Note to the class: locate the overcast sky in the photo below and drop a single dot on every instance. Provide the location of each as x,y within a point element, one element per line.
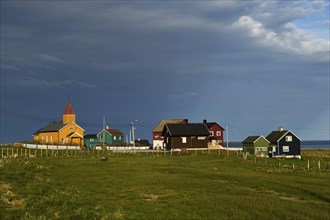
<point>253,65</point>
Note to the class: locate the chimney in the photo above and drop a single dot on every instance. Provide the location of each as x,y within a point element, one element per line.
<point>107,127</point>
<point>204,121</point>
<point>280,128</point>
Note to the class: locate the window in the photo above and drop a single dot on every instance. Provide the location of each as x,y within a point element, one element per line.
<point>119,137</point>
<point>184,140</point>
<point>91,140</point>
<point>211,133</point>
<point>114,138</point>
<point>201,138</point>
<point>285,148</point>
<point>71,129</point>
<point>218,133</point>
<point>288,138</point>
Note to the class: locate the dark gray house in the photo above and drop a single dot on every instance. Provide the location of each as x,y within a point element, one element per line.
<point>182,136</point>
<point>284,143</point>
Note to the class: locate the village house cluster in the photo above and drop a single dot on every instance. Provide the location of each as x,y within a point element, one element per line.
<point>175,134</point>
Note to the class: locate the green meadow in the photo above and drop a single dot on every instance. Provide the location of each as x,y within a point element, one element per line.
<point>151,186</point>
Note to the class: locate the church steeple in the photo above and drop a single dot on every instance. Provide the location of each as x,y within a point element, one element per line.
<point>68,114</point>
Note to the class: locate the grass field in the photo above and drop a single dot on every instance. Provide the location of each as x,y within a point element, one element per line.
<point>139,186</point>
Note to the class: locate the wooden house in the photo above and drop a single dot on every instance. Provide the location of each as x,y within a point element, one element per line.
<point>65,132</point>
<point>216,132</point>
<point>182,136</point>
<point>158,138</point>
<point>256,145</point>
<point>90,140</point>
<point>110,136</point>
<point>284,143</point>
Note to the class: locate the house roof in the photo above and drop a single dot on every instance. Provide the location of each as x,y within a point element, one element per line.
<point>275,136</point>
<point>53,126</point>
<point>160,126</point>
<point>210,124</point>
<point>73,134</point>
<point>90,136</point>
<point>112,131</point>
<point>68,109</point>
<point>192,129</point>
<point>142,142</point>
<point>253,139</point>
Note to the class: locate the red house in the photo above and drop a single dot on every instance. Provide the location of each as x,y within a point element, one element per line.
<point>216,132</point>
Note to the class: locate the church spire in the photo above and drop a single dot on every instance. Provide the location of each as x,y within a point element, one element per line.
<point>68,114</point>
<point>68,109</point>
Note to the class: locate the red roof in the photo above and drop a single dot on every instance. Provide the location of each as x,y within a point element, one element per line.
<point>68,109</point>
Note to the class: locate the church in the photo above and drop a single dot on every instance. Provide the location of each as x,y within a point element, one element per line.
<point>65,132</point>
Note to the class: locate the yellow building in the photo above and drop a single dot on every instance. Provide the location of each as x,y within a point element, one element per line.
<point>65,132</point>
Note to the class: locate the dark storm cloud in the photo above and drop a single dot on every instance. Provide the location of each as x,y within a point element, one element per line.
<point>158,60</point>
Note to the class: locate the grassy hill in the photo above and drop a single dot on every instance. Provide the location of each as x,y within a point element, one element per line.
<point>139,186</point>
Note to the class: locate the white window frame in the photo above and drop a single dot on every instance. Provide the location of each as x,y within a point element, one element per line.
<point>286,149</point>
<point>288,138</point>
<point>219,133</point>
<point>184,140</point>
<point>114,138</point>
<point>212,133</point>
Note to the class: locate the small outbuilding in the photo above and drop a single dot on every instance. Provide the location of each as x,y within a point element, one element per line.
<point>90,140</point>
<point>256,145</point>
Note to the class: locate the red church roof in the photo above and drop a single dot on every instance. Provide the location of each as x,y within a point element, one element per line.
<point>68,109</point>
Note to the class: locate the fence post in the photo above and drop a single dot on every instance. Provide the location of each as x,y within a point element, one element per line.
<point>308,165</point>
<point>279,165</point>
<point>319,164</point>
<point>293,166</point>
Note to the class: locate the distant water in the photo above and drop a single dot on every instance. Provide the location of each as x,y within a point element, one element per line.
<point>315,144</point>
<point>304,144</point>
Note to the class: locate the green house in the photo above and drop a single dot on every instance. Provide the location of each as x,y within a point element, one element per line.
<point>90,140</point>
<point>109,136</point>
<point>256,145</point>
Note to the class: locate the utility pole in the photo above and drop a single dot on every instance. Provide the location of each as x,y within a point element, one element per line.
<point>103,132</point>
<point>132,127</point>
<point>227,135</point>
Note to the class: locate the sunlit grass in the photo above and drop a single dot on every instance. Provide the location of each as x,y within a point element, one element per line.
<point>139,186</point>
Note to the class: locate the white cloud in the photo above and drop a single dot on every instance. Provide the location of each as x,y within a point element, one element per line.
<point>288,37</point>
